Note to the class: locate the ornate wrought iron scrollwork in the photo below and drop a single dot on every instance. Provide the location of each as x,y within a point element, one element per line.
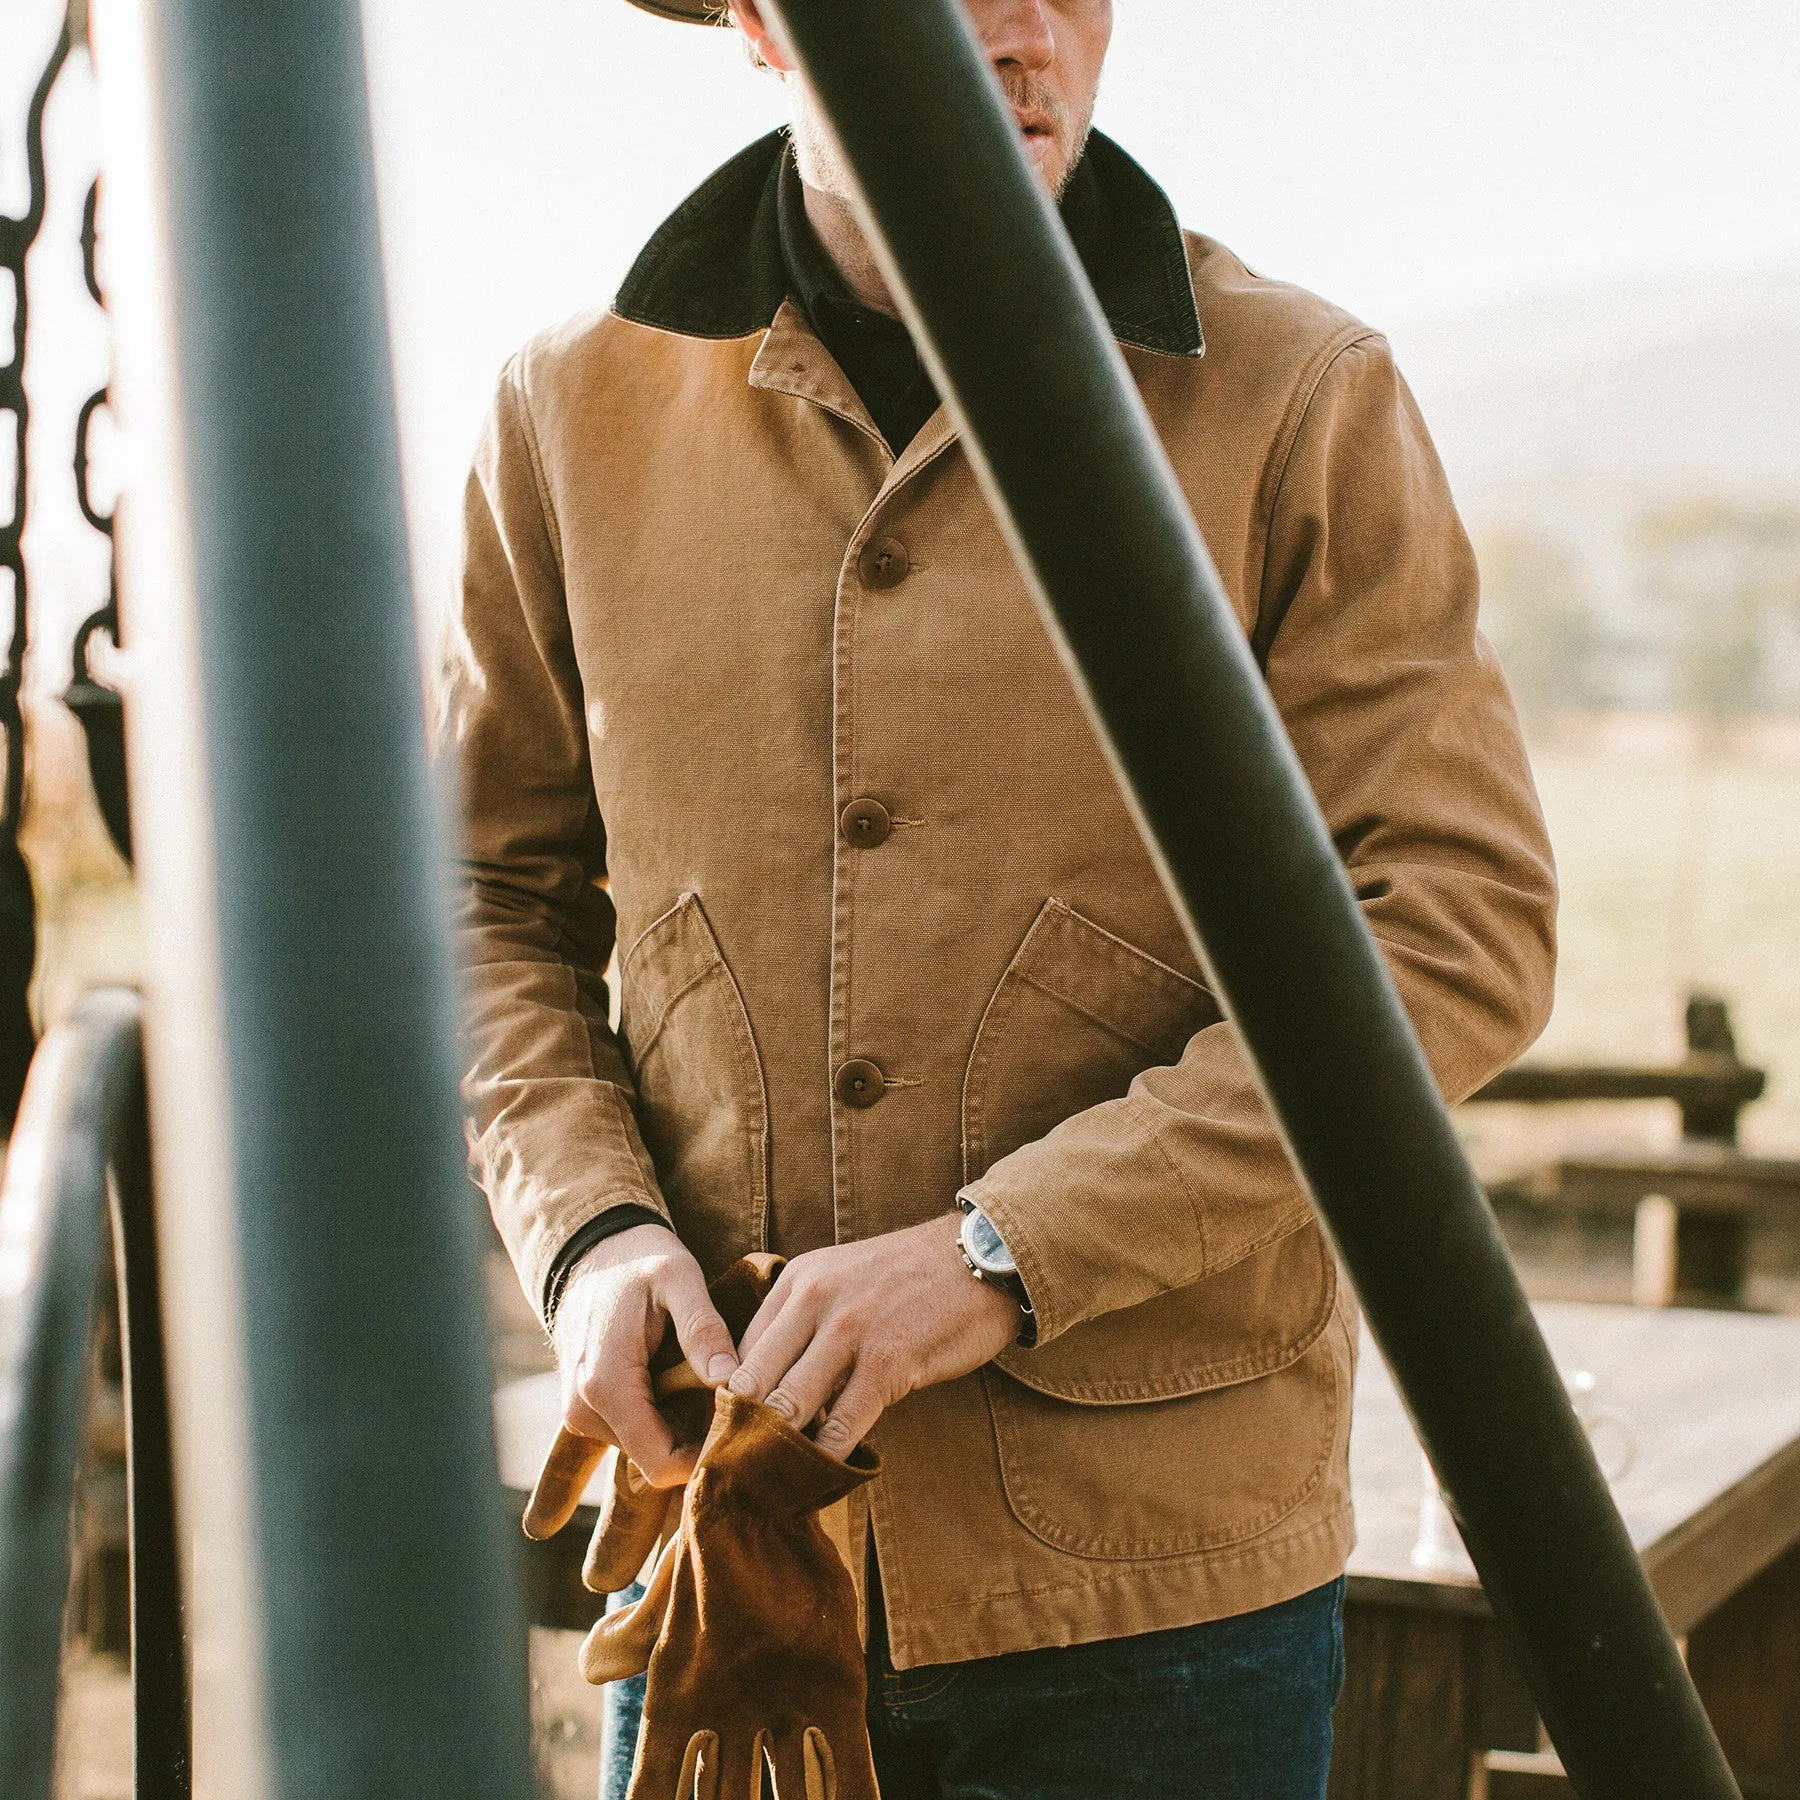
<point>97,707</point>
<point>18,911</point>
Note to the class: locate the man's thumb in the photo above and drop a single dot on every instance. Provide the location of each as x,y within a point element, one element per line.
<point>704,1338</point>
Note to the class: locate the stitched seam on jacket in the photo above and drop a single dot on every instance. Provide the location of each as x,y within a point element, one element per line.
<point>1087,1012</point>
<point>1135,1571</point>
<point>1000,1002</point>
<point>640,1053</point>
<point>534,455</point>
<point>1187,1191</point>
<point>751,1080</point>
<point>1126,952</point>
<point>1306,391</point>
<point>1208,1378</point>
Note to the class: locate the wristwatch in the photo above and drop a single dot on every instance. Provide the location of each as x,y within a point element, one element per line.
<point>987,1258</point>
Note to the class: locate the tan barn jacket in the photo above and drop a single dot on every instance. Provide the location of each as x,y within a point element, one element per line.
<point>791,699</point>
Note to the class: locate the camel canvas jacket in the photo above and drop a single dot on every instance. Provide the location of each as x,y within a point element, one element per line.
<point>767,721</point>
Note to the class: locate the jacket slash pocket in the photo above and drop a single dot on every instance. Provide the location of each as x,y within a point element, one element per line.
<point>701,1101</point>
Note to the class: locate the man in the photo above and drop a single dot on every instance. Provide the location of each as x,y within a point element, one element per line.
<point>749,687</point>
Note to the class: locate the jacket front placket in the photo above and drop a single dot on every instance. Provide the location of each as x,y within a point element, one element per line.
<point>865,1076</point>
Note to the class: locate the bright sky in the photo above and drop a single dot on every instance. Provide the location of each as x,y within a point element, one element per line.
<point>1408,158</point>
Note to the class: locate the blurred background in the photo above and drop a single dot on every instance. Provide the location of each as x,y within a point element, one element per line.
<point>1580,226</point>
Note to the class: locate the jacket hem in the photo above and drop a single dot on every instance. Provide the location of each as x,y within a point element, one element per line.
<point>1160,1595</point>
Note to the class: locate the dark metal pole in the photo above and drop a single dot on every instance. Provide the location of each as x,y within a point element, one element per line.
<point>86,1084</point>
<point>1075,472</point>
<point>393,1659</point>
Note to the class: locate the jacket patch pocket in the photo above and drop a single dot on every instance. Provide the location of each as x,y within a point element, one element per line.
<point>1172,1477</point>
<point>701,1103</point>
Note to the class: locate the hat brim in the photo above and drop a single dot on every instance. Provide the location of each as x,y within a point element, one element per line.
<point>688,12</point>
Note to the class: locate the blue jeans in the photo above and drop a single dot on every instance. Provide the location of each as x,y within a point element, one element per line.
<point>1237,1709</point>
<point>622,1712</point>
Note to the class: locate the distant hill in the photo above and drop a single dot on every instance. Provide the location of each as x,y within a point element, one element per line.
<point>1602,398</point>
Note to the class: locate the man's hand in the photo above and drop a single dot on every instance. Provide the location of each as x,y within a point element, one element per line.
<point>849,1330</point>
<point>617,1303</point>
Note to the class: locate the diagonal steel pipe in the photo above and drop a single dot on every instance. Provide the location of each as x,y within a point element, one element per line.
<point>996,297</point>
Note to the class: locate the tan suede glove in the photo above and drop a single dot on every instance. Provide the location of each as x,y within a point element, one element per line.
<point>756,1655</point>
<point>747,1627</point>
<point>634,1517</point>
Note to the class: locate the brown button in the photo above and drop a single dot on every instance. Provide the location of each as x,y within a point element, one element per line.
<point>860,1083</point>
<point>884,564</point>
<point>866,823</point>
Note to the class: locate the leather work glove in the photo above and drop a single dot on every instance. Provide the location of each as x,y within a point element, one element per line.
<point>635,1515</point>
<point>748,1625</point>
<point>757,1666</point>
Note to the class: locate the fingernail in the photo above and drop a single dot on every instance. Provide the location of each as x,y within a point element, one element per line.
<point>720,1369</point>
<point>743,1384</point>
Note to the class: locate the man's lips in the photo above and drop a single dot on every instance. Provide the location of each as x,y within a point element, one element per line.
<point>1037,132</point>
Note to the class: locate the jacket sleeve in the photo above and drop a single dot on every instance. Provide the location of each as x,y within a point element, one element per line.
<point>547,1096</point>
<point>1403,724</point>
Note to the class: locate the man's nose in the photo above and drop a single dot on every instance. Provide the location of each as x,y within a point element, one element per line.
<point>1015,32</point>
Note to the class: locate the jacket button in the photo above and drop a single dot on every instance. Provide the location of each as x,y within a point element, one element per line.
<point>884,564</point>
<point>866,823</point>
<point>859,1084</point>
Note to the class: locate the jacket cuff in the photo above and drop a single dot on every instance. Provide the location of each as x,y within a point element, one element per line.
<point>596,1231</point>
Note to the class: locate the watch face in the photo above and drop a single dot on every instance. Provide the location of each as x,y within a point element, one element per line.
<point>987,1248</point>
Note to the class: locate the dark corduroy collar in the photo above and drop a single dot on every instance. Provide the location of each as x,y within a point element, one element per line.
<point>715,269</point>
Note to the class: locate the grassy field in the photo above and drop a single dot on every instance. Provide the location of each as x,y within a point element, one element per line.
<point>1679,872</point>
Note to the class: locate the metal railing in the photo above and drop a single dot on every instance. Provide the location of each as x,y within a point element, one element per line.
<point>78,1166</point>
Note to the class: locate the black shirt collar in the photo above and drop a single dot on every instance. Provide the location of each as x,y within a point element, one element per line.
<point>813,278</point>
<point>874,349</point>
<point>716,267</point>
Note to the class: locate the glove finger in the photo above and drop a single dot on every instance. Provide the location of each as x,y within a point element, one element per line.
<point>633,1516</point>
<point>848,1773</point>
<point>821,1772</point>
<point>566,1472</point>
<point>620,1643</point>
<point>700,1768</point>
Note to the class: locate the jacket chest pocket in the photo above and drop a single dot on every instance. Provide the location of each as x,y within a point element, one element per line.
<point>1201,1417</point>
<point>701,1103</point>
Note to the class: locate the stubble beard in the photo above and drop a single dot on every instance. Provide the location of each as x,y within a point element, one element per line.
<point>822,165</point>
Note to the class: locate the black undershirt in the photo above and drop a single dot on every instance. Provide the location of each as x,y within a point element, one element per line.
<point>874,349</point>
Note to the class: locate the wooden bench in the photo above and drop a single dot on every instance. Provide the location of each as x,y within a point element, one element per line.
<point>1694,1208</point>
